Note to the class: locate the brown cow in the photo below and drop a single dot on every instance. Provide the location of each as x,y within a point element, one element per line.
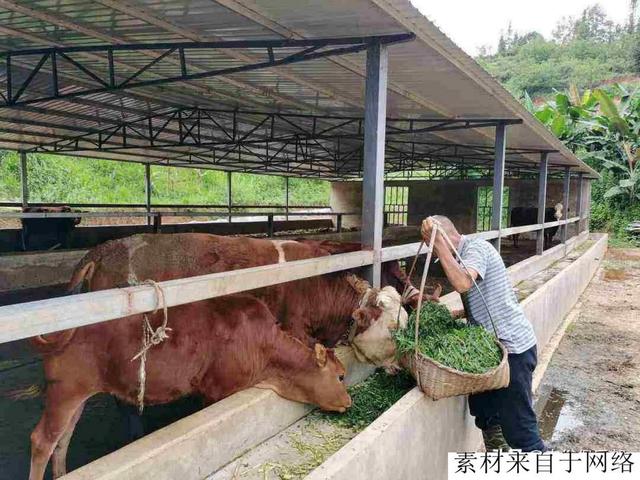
<point>313,309</point>
<point>216,347</point>
<point>392,274</point>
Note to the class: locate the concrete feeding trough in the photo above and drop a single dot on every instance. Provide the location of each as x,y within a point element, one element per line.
<point>237,437</point>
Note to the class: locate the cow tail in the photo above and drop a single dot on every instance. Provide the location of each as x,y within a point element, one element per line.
<point>55,342</point>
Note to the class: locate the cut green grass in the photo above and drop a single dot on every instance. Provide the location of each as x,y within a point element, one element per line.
<point>315,442</point>
<point>371,398</point>
<point>452,343</point>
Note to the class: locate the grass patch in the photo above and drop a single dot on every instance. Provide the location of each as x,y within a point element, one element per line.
<point>624,241</point>
<point>615,274</point>
<point>450,342</point>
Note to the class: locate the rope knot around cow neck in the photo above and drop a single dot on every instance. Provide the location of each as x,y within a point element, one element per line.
<point>151,337</point>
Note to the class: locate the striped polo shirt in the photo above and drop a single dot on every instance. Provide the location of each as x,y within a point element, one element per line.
<point>514,330</point>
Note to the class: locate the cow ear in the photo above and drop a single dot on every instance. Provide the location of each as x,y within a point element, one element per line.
<point>363,321</point>
<point>321,355</point>
<point>435,296</point>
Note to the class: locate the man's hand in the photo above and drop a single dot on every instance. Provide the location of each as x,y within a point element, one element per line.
<point>427,230</point>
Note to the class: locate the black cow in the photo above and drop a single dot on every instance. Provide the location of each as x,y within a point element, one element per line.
<point>521,216</point>
<point>56,230</point>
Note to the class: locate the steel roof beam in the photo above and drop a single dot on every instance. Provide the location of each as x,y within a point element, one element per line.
<point>195,127</point>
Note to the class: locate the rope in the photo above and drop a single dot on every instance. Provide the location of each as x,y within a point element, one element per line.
<point>408,290</point>
<point>150,337</point>
<point>423,281</point>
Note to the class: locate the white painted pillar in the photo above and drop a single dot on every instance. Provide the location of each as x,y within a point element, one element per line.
<point>542,200</point>
<point>286,198</point>
<point>147,190</point>
<point>498,180</point>
<point>579,203</point>
<point>374,145</point>
<point>24,178</point>
<point>229,197</point>
<point>565,201</point>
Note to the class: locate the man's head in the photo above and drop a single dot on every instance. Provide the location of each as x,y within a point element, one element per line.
<point>445,224</point>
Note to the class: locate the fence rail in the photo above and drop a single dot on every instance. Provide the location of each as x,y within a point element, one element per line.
<point>25,320</point>
<point>163,214</point>
<point>155,205</point>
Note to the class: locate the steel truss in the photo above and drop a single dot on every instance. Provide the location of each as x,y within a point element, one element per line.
<point>43,70</point>
<point>319,145</point>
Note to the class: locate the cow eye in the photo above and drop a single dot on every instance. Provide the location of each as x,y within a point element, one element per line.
<point>341,378</point>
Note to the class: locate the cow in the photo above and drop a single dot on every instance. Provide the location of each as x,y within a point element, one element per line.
<point>521,216</point>
<point>216,347</point>
<point>58,229</point>
<point>392,274</point>
<point>322,309</point>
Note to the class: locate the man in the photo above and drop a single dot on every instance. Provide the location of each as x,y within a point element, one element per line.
<point>508,411</point>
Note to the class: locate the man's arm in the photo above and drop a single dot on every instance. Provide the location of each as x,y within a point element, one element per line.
<point>460,280</point>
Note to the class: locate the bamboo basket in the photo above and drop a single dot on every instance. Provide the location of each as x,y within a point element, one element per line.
<point>435,379</point>
<point>439,381</point>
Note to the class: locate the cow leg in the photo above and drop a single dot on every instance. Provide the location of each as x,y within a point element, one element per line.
<point>25,239</point>
<point>61,405</point>
<point>59,458</point>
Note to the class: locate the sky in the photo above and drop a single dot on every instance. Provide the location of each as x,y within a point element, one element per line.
<point>476,23</point>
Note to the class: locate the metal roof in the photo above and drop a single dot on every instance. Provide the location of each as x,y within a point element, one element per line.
<point>231,120</point>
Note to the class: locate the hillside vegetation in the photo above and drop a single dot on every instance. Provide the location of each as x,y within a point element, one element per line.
<point>569,84</point>
<point>76,180</point>
<point>585,51</point>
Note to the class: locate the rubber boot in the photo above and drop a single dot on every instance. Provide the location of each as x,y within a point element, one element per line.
<point>494,440</point>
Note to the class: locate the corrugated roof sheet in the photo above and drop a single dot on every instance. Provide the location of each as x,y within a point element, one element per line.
<point>428,77</point>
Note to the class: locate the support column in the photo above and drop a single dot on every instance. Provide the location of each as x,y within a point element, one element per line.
<point>229,198</point>
<point>147,190</point>
<point>286,198</point>
<point>373,165</point>
<point>565,202</point>
<point>542,200</point>
<point>498,181</point>
<point>24,179</point>
<point>579,204</point>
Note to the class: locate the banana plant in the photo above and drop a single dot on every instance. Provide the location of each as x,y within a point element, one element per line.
<point>629,184</point>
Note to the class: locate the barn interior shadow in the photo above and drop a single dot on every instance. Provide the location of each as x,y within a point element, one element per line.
<point>102,429</point>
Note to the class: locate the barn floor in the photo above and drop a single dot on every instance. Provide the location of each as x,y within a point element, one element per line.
<point>589,398</point>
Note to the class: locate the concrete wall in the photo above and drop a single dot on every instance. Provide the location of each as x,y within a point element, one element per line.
<point>456,199</point>
<point>347,197</point>
<point>32,270</point>
<point>411,440</point>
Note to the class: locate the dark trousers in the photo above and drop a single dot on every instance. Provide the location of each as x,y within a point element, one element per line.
<point>512,407</point>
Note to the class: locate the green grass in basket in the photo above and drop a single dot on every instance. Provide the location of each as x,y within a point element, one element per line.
<point>453,343</point>
<point>371,398</point>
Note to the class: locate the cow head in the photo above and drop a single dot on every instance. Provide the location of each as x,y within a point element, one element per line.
<point>320,382</point>
<point>380,313</point>
<point>394,276</point>
<point>558,211</point>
